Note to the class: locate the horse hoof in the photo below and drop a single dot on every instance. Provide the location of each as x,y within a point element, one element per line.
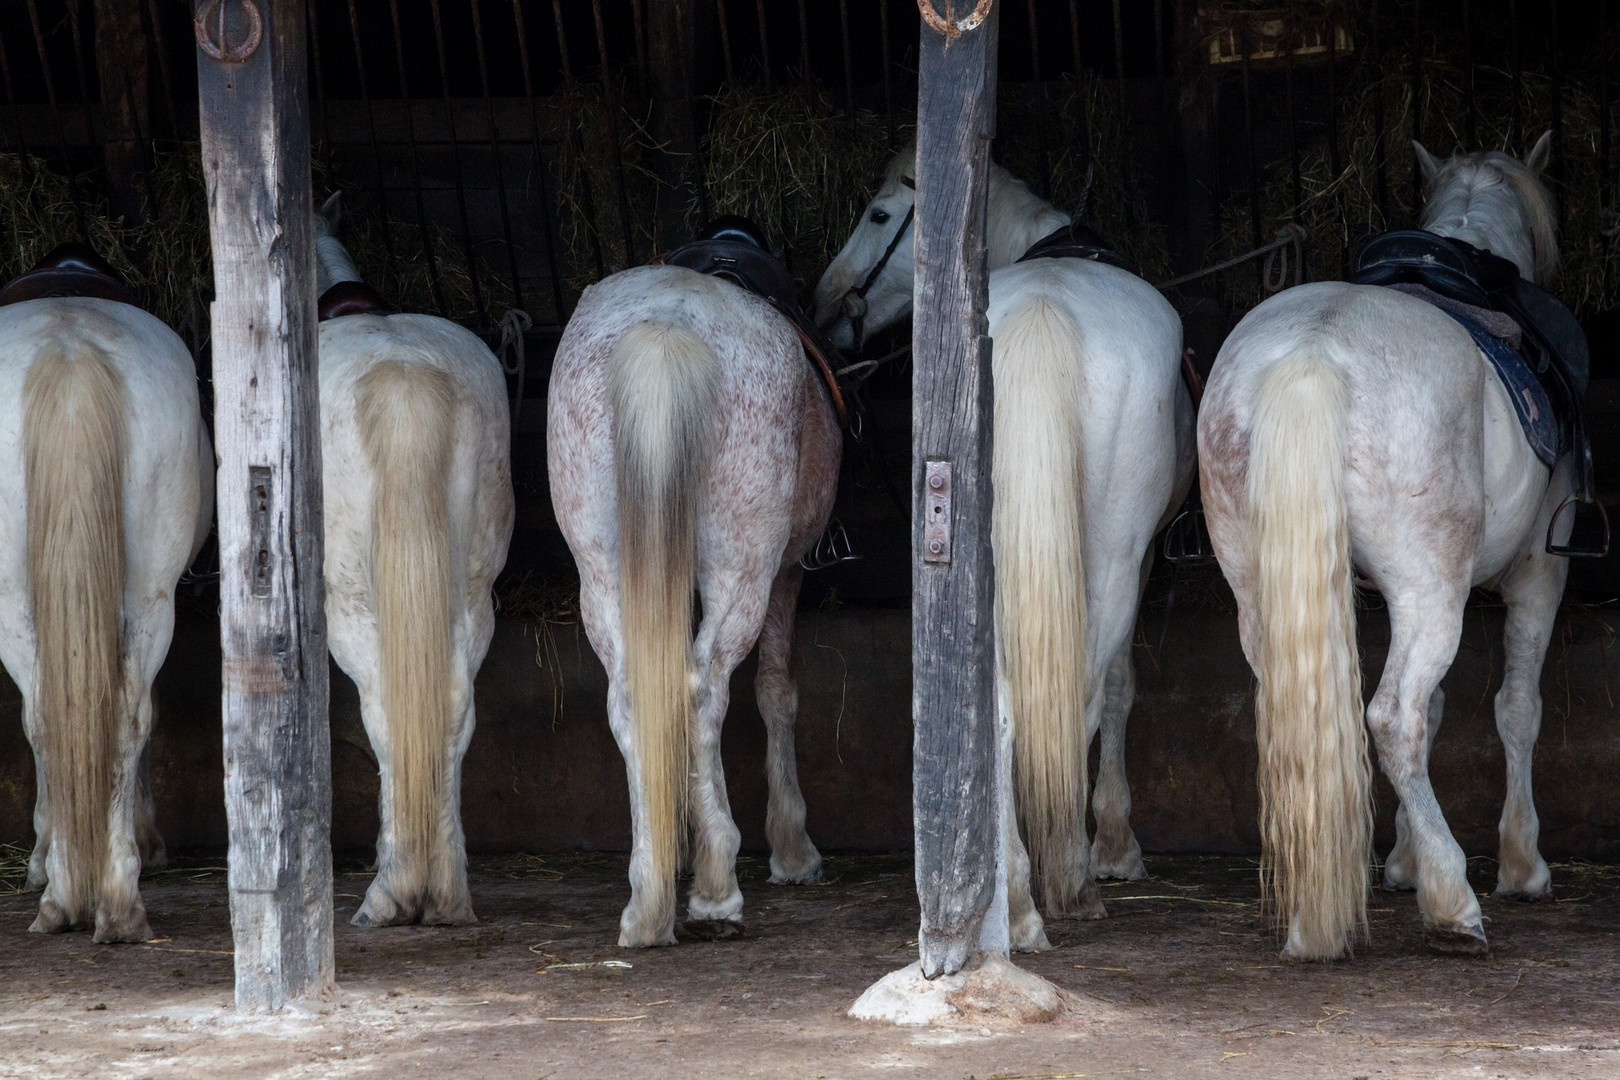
<point>1456,940</point>
<point>460,915</point>
<point>1123,870</point>
<point>809,876</point>
<point>122,931</point>
<point>1528,896</point>
<point>712,929</point>
<point>50,920</point>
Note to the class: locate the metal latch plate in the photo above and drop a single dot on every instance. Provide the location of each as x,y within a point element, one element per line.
<point>936,512</point>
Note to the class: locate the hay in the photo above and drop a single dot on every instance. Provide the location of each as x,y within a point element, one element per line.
<point>795,164</point>
<point>1339,211</point>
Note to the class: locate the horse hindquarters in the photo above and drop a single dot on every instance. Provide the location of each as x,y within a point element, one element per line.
<point>663,383</point>
<point>74,443</point>
<point>1037,533</point>
<point>407,423</point>
<point>1316,815</point>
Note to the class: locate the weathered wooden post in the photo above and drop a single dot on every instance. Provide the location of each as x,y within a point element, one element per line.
<point>959,775</point>
<point>253,87</point>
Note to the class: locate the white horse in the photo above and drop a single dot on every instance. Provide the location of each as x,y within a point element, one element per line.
<point>1093,450</point>
<point>1349,429</point>
<point>418,504</point>
<point>690,445</point>
<point>106,494</point>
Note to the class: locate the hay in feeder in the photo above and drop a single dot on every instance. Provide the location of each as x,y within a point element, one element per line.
<point>1339,211</point>
<point>797,165</point>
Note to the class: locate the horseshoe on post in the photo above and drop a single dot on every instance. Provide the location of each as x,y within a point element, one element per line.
<point>222,49</point>
<point>948,24</point>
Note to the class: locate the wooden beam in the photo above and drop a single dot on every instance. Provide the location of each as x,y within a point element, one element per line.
<point>957,771</point>
<point>278,782</point>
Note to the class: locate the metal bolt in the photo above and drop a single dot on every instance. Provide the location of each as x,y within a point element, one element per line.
<point>936,482</point>
<point>935,546</point>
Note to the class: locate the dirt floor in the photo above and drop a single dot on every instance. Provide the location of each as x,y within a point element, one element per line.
<point>1182,980</point>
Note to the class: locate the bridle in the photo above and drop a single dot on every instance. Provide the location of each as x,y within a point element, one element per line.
<point>854,302</point>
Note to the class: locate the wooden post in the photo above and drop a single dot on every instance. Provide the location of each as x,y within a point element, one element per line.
<point>956,768</point>
<point>253,89</point>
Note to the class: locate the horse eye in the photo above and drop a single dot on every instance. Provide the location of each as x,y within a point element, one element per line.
<point>879,216</point>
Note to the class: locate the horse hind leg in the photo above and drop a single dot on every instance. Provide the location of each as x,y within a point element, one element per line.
<point>448,900</point>
<point>794,859</point>
<point>1532,592</point>
<point>1117,854</point>
<point>1424,635</point>
<point>738,605</point>
<point>1400,869</point>
<point>148,840</point>
<point>1026,930</point>
<point>120,915</point>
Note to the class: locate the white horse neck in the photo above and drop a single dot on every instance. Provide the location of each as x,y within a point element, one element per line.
<point>332,263</point>
<point>1018,217</point>
<point>1493,202</point>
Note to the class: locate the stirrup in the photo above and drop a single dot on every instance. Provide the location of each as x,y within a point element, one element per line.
<point>1186,540</point>
<point>1587,536</point>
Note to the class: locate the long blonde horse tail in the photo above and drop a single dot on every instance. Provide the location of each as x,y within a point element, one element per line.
<point>1315,777</point>
<point>74,441</point>
<point>1037,529</point>
<point>406,413</point>
<point>663,386</point>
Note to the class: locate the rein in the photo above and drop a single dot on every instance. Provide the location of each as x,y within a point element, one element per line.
<point>855,299</point>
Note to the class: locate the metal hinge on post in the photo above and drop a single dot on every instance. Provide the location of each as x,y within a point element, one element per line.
<point>936,512</point>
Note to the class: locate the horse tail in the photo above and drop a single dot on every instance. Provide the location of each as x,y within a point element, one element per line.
<point>73,445</point>
<point>663,386</point>
<point>1315,777</point>
<point>406,414</point>
<point>1037,529</point>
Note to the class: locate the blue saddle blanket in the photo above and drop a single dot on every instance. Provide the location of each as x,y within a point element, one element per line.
<point>1530,400</point>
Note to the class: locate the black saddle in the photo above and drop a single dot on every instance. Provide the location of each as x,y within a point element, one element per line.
<point>1076,241</point>
<point>1460,271</point>
<point>351,298</point>
<point>734,249</point>
<point>1551,341</point>
<point>71,269</point>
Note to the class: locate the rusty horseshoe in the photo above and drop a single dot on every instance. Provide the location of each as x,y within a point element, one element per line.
<point>948,25</point>
<point>213,11</point>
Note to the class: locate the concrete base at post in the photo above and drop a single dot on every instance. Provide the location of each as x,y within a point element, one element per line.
<point>991,992</point>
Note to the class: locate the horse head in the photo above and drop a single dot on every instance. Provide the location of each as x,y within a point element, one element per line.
<point>871,277</point>
<point>1494,201</point>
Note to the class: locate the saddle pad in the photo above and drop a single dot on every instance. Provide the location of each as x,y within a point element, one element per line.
<point>1530,400</point>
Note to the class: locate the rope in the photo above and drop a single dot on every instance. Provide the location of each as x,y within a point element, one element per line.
<point>514,325</point>
<point>1276,265</point>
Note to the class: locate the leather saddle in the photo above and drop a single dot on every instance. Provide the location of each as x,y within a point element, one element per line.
<point>71,269</point>
<point>351,298</point>
<point>733,249</point>
<point>1077,241</point>
<point>1551,342</point>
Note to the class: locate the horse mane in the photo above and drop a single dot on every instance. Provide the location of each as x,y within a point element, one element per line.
<point>1018,217</point>
<point>1480,190</point>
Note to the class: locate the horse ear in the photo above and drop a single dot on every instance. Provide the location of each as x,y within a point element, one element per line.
<point>332,208</point>
<point>1541,154</point>
<point>1426,162</point>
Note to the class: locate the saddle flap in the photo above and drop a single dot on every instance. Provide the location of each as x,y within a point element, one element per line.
<point>70,269</point>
